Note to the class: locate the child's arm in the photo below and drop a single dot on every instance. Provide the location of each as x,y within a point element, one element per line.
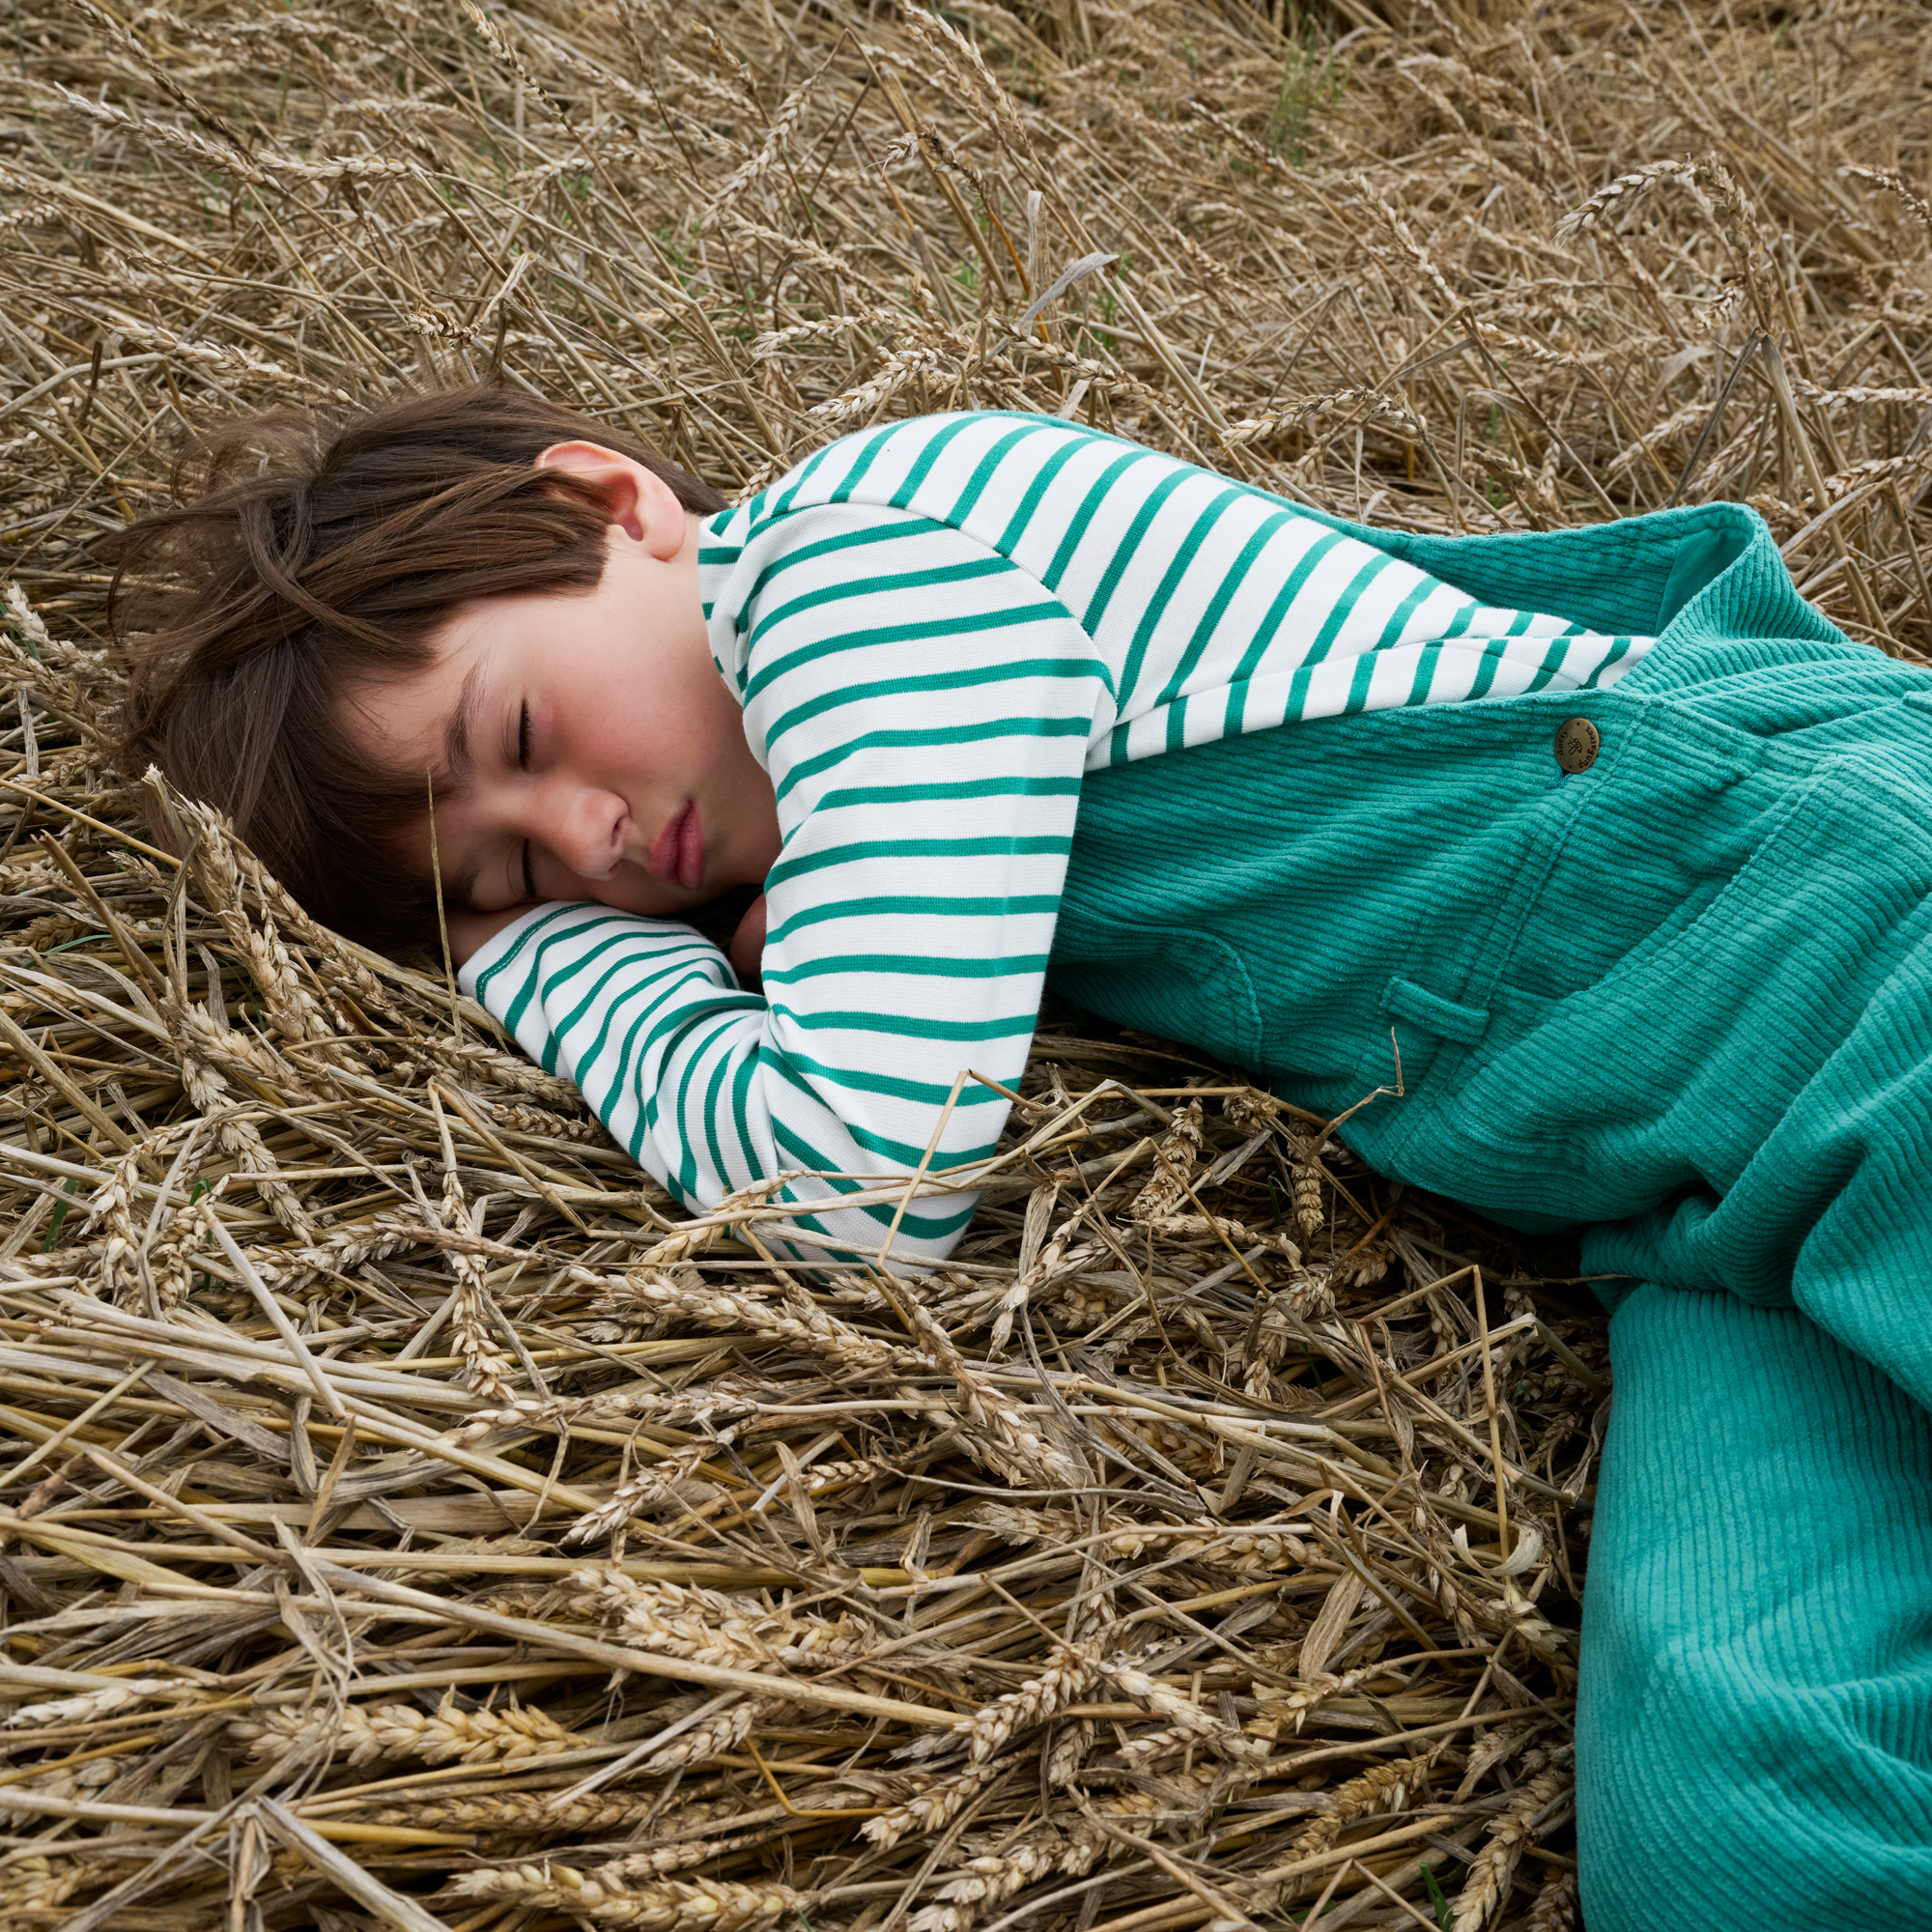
<point>924,710</point>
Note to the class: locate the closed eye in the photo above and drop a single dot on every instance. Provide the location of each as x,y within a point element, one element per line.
<point>523,744</point>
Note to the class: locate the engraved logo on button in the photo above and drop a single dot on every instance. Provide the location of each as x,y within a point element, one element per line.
<point>1577,745</point>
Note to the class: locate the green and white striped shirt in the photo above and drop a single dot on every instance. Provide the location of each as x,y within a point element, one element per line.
<point>935,629</point>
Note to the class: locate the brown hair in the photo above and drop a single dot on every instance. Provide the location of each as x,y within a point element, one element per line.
<point>315,555</point>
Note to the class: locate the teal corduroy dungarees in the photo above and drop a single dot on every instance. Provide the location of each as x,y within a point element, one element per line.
<point>1682,999</point>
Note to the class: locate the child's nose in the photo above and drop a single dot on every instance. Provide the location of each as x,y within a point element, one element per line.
<point>585,831</point>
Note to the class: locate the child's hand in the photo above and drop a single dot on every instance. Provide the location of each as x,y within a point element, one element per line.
<point>471,932</point>
<point>748,944</point>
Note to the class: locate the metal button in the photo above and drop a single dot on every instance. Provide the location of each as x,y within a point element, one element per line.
<point>1577,745</point>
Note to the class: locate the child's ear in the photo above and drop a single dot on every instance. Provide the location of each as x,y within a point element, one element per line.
<point>641,503</point>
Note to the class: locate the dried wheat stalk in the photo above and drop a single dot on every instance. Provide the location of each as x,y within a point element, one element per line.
<point>1245,1596</point>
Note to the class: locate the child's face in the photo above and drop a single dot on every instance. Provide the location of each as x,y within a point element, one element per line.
<point>584,745</point>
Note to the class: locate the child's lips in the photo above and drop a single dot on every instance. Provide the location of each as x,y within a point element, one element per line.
<point>679,853</point>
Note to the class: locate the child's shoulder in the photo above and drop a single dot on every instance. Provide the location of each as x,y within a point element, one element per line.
<point>934,465</point>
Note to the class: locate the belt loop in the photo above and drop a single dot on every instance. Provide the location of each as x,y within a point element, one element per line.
<point>1404,999</point>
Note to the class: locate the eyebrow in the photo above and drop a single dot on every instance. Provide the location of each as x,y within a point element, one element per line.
<point>458,760</point>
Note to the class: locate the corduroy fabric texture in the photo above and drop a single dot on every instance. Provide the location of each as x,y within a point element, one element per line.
<point>1753,1727</point>
<point>1684,999</point>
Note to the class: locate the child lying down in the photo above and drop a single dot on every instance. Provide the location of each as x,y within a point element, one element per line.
<point>1618,844</point>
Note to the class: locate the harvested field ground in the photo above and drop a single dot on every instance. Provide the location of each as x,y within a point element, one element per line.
<point>404,1519</point>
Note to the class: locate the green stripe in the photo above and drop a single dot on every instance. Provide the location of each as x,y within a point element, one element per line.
<point>1486,672</point>
<point>968,499</point>
<point>1297,692</point>
<point>1551,664</point>
<point>870,533</point>
<point>914,1226</point>
<point>1217,606</point>
<point>909,966</point>
<point>1076,526</point>
<point>1399,617</point>
<point>1086,430</point>
<point>857,850</point>
<point>861,460</point>
<point>1358,685</point>
<point>528,942</point>
<point>675,1002</point>
<point>1427,664</point>
<point>657,992</point>
<point>1620,648</point>
<point>865,1081</point>
<point>662,1008</point>
<point>1184,554</point>
<point>634,1046</point>
<point>577,968</point>
<point>868,584</point>
<point>920,906</point>
<point>973,677</point>
<point>905,1026</point>
<point>909,1154</point>
<point>538,987</point>
<point>867,457</point>
<point>1339,612</point>
<point>1021,520</point>
<point>1124,549</point>
<point>1270,625</point>
<point>701,1043</point>
<point>986,623</point>
<point>928,794</point>
<point>801,477</point>
<point>957,734</point>
<point>922,465</point>
<point>749,1065</point>
<point>719,1165</point>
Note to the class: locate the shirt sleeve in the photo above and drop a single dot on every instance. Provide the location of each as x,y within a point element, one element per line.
<point>925,709</point>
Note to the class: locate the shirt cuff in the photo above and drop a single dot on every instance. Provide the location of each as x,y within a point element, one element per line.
<point>495,949</point>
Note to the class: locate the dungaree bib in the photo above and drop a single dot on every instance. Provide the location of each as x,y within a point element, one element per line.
<point>1682,997</point>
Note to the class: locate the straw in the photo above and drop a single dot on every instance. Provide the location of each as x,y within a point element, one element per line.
<point>408,1515</point>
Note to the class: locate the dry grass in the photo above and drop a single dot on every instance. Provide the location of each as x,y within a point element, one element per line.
<point>1201,1547</point>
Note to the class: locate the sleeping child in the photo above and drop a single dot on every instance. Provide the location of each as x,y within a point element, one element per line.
<point>1602,850</point>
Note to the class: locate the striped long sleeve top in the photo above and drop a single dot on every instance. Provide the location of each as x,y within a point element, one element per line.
<point>935,628</point>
